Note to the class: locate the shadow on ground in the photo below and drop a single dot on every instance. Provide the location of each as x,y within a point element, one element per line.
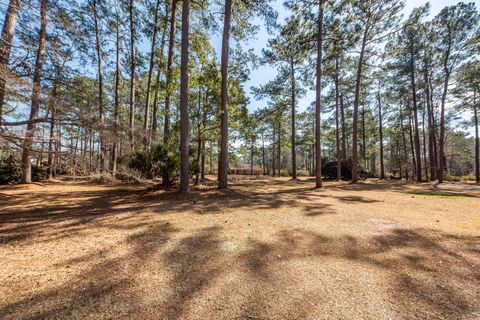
<point>427,274</point>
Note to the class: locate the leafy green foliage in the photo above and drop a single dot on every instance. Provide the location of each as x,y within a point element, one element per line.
<point>11,172</point>
<point>152,162</point>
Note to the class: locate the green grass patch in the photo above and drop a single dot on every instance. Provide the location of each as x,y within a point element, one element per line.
<point>441,195</point>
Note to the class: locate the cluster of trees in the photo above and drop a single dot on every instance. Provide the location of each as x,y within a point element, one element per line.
<point>395,92</point>
<point>100,81</point>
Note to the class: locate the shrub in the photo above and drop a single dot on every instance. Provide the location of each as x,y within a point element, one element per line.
<point>329,170</point>
<point>11,171</point>
<point>152,162</point>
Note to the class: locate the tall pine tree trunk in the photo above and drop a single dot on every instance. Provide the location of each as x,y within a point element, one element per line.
<point>294,132</point>
<point>356,103</point>
<point>337,123</point>
<point>273,151</point>
<point>169,89</point>
<point>223,158</point>
<point>184,157</point>
<point>146,117</point>
<point>153,137</point>
<point>36,92</point>
<point>380,131</point>
<point>6,41</point>
<point>344,129</point>
<point>418,160</point>
<point>318,102</point>
<point>101,115</point>
<point>116,110</point>
<point>51,140</point>
<point>132,78</point>
<point>477,140</point>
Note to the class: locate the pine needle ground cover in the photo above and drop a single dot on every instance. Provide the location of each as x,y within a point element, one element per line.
<point>265,249</point>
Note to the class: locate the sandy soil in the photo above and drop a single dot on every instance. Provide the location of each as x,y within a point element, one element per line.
<point>266,249</point>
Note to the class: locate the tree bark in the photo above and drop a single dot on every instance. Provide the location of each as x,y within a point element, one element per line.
<point>344,134</point>
<point>273,151</point>
<point>132,78</point>
<point>146,117</point>
<point>184,157</point>
<point>199,136</point>
<point>356,103</point>
<point>412,145</point>
<point>116,109</point>
<point>6,41</point>
<point>441,154</point>
<point>263,154</point>
<point>380,131</point>
<point>418,160</point>
<point>318,102</point>
<point>337,123</point>
<point>223,159</point>
<point>35,106</point>
<point>51,140</point>
<point>168,96</point>
<point>153,137</point>
<point>279,155</point>
<point>477,140</point>
<point>294,132</point>
<point>101,116</point>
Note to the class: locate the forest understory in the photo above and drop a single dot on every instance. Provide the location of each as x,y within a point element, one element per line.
<point>267,248</point>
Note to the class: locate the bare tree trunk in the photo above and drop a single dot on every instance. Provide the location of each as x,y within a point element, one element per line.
<point>337,123</point>
<point>100,88</point>
<point>318,102</point>
<point>344,134</point>
<point>356,103</point>
<point>441,155</point>
<point>6,41</point>
<point>158,82</point>
<point>431,128</point>
<point>412,146</point>
<point>150,74</point>
<point>116,110</point>
<point>279,155</point>
<point>223,158</point>
<point>477,140</point>
<point>199,135</point>
<point>294,133</point>
<point>263,154</point>
<point>251,158</point>
<point>273,152</point>
<point>51,140</point>
<point>405,155</point>
<point>168,96</point>
<point>204,122</point>
<point>184,158</point>
<point>418,160</point>
<point>364,139</point>
<point>35,107</point>
<point>380,131</point>
<point>424,138</point>
<point>132,77</point>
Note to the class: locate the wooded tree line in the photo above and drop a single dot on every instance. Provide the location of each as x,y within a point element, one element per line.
<point>96,85</point>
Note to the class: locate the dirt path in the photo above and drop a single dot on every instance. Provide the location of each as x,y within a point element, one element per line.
<point>267,249</point>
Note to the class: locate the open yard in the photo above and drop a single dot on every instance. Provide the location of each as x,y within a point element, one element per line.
<point>266,249</point>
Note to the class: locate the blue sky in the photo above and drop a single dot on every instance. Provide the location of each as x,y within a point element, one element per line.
<point>266,73</point>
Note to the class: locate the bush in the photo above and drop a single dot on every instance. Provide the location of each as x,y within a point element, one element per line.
<point>11,172</point>
<point>329,170</point>
<point>151,163</point>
